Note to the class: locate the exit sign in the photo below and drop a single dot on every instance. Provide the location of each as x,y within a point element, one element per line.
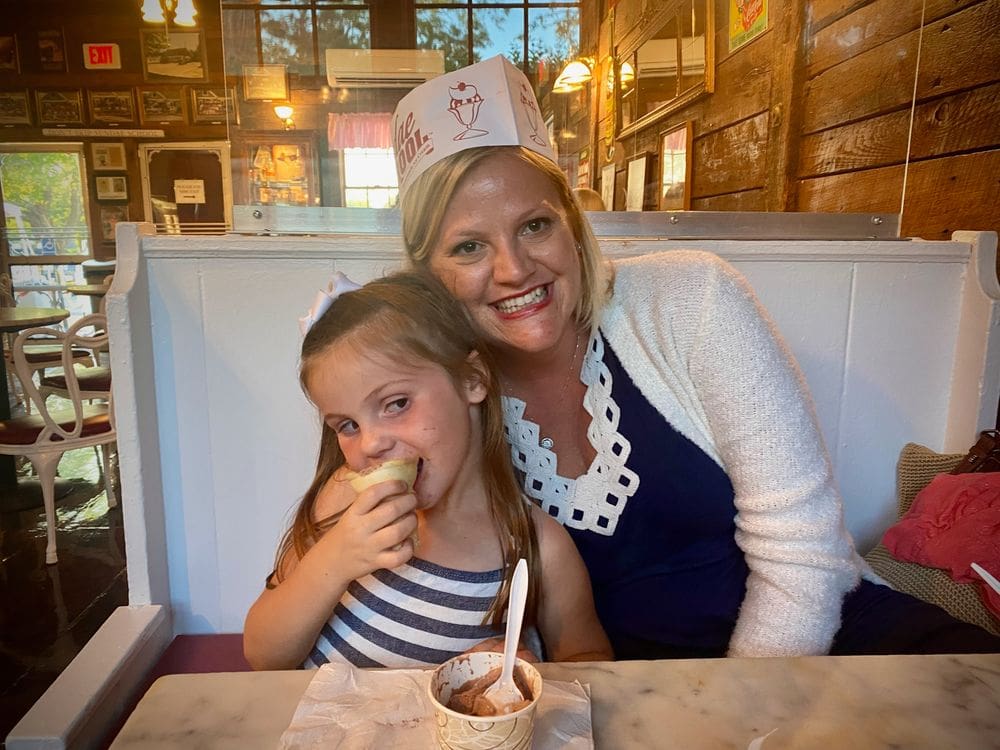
<point>101,57</point>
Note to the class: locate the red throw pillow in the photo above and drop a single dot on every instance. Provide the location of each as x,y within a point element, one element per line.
<point>953,522</point>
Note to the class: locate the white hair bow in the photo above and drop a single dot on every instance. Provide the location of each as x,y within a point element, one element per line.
<point>338,285</point>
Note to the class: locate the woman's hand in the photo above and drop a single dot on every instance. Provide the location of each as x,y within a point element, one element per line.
<point>496,645</point>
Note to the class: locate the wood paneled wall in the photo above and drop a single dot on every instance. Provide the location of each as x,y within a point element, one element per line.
<point>102,21</point>
<point>814,114</point>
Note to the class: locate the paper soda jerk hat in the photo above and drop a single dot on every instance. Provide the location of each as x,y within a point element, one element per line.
<point>487,104</point>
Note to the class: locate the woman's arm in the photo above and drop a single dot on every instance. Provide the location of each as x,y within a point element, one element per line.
<point>284,622</point>
<point>740,387</point>
<point>567,620</point>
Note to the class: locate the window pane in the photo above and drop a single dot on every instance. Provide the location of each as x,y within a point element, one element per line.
<point>692,23</point>
<point>286,37</point>
<point>44,202</point>
<point>239,40</point>
<point>445,30</point>
<point>369,178</point>
<point>498,31</point>
<point>343,29</point>
<point>553,38</point>
<point>44,286</point>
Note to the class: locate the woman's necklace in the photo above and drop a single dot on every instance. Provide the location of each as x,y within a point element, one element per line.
<point>547,442</point>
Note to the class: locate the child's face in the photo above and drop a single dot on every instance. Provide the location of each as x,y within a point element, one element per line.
<point>382,409</point>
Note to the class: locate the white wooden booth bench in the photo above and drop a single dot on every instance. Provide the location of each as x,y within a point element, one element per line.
<point>899,341</point>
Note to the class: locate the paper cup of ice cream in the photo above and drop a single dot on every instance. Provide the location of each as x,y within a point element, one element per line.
<point>454,687</point>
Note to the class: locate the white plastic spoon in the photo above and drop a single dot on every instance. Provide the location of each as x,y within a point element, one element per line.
<point>504,694</point>
<point>992,582</point>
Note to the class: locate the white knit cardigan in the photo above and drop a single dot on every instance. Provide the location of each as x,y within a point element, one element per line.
<point>690,332</point>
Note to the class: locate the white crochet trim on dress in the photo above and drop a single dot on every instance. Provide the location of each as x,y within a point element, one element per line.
<point>595,500</point>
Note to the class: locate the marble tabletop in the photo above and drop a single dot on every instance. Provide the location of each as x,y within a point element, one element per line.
<point>854,702</point>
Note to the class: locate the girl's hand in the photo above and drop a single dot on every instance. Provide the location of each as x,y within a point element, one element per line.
<point>496,645</point>
<point>374,530</point>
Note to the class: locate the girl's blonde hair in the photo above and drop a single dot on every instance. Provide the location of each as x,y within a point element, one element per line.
<point>411,316</point>
<point>424,203</point>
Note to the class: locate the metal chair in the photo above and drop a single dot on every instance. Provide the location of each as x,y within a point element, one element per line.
<point>44,437</point>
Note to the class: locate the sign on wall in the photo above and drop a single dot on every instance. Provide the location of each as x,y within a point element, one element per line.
<point>101,56</point>
<point>747,21</point>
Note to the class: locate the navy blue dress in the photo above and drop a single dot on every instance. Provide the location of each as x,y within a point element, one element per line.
<point>670,580</point>
<point>668,583</point>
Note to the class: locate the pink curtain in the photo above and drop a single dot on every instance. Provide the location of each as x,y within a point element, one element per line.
<point>361,130</point>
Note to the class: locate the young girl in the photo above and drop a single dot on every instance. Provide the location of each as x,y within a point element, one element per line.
<point>396,371</point>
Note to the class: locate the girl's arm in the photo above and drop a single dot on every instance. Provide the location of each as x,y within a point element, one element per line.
<point>284,622</point>
<point>567,620</point>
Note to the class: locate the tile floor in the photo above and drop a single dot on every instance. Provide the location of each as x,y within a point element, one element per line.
<point>47,612</point>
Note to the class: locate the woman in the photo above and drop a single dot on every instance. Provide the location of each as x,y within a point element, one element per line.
<point>653,410</point>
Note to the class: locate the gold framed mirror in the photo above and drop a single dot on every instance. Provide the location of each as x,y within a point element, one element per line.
<point>666,63</point>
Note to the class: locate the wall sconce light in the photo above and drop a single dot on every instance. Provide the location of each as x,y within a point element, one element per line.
<point>574,75</point>
<point>284,113</point>
<point>626,76</point>
<point>176,12</point>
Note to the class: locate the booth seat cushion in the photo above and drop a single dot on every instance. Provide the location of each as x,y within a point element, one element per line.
<point>917,466</point>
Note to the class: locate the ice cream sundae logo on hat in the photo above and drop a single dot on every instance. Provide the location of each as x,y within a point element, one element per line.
<point>410,142</point>
<point>464,105</point>
<point>534,116</point>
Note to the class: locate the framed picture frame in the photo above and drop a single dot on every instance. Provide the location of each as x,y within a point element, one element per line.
<point>675,168</point>
<point>59,106</point>
<point>174,56</point>
<point>635,185</point>
<point>212,104</point>
<point>51,51</point>
<point>111,188</point>
<point>9,61</point>
<point>265,82</point>
<point>162,106</point>
<point>107,157</point>
<point>14,108</point>
<point>111,215</point>
<point>111,107</point>
<point>608,186</point>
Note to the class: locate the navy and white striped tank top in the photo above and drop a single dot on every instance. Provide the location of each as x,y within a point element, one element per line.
<point>419,614</point>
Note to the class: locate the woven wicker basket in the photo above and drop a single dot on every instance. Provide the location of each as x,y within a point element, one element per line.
<point>916,468</point>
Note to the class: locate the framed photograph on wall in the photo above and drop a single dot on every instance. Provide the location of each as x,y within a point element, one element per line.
<point>173,55</point>
<point>51,51</point>
<point>9,62</point>
<point>111,188</point>
<point>107,157</point>
<point>265,82</point>
<point>63,107</point>
<point>162,106</point>
<point>112,107</point>
<point>212,104</point>
<point>608,186</point>
<point>111,215</point>
<point>675,168</point>
<point>14,108</point>
<point>635,183</point>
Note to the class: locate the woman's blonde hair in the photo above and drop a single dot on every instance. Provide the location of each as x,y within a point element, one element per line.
<point>411,316</point>
<point>424,203</point>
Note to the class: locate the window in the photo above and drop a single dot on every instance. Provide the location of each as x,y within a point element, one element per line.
<point>537,36</point>
<point>291,32</point>
<point>369,178</point>
<point>47,231</point>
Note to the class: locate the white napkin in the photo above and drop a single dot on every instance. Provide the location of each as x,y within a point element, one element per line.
<point>349,708</point>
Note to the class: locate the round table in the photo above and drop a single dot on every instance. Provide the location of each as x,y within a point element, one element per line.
<point>13,319</point>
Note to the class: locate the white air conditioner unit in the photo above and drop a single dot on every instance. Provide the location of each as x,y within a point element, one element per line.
<point>382,68</point>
